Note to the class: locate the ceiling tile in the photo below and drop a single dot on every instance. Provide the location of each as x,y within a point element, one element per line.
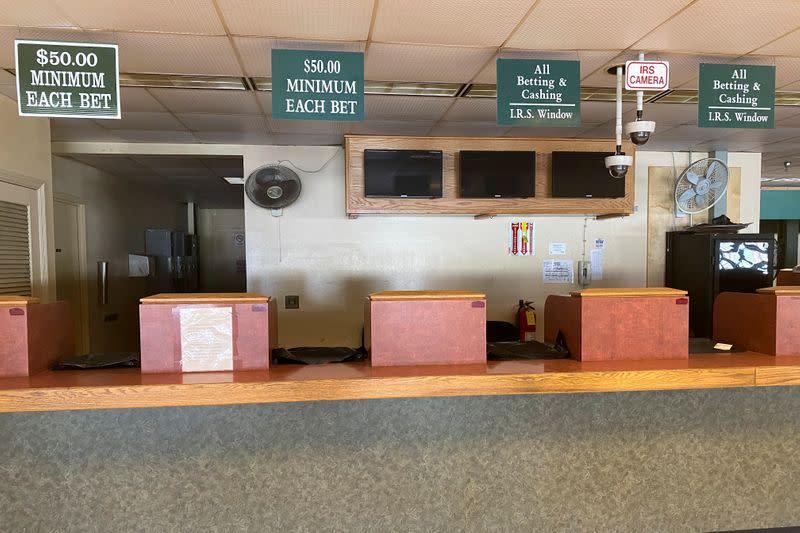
<point>156,136</point>
<point>393,127</point>
<point>207,101</point>
<point>470,129</point>
<point>600,112</point>
<point>225,166</point>
<point>788,45</point>
<point>344,20</point>
<point>170,16</point>
<point>213,122</point>
<point>717,27</point>
<point>590,60</point>
<point>265,100</point>
<point>176,54</point>
<point>684,138</point>
<point>577,24</point>
<point>472,110</point>
<point>34,13</point>
<point>787,116</point>
<point>141,120</point>
<point>408,62</point>
<point>321,127</point>
<point>10,91</point>
<point>256,52</point>
<point>448,21</point>
<point>80,130</point>
<point>395,107</point>
<point>664,115</point>
<point>114,164</point>
<point>752,139</point>
<point>138,99</point>
<point>787,71</point>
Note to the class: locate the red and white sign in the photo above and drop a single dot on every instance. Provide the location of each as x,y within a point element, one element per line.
<point>647,75</point>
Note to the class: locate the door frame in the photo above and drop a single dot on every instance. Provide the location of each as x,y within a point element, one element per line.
<point>81,344</point>
<point>42,284</point>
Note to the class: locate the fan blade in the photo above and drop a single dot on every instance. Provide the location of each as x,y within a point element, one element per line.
<point>700,200</point>
<point>711,169</point>
<point>692,177</point>
<point>687,195</point>
<point>718,184</point>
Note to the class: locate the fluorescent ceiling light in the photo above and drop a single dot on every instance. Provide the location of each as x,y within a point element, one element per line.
<point>234,181</point>
<point>173,81</point>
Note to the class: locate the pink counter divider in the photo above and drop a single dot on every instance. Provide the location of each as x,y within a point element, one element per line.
<point>207,332</point>
<point>425,328</point>
<point>33,336</point>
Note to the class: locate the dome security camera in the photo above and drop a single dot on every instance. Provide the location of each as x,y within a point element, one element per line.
<point>639,131</point>
<point>618,164</point>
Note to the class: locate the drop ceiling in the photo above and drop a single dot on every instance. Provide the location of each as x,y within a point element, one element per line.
<point>452,41</point>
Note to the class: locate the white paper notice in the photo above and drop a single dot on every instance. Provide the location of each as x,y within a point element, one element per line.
<point>206,339</point>
<point>600,243</point>
<point>558,248</point>
<point>521,238</point>
<point>597,264</point>
<point>558,271</point>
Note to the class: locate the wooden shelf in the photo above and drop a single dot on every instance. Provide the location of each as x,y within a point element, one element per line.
<point>450,203</point>
<point>128,388</point>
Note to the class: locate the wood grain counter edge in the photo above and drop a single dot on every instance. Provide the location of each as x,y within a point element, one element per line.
<point>180,395</point>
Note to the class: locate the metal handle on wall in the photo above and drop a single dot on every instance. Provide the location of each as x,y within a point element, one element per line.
<point>102,282</point>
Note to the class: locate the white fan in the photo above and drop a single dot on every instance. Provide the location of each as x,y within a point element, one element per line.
<point>701,185</point>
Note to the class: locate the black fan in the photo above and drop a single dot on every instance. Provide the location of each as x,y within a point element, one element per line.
<point>273,186</point>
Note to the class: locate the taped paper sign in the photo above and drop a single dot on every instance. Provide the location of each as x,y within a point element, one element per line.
<point>558,271</point>
<point>521,238</point>
<point>206,339</point>
<point>597,264</point>
<point>558,248</point>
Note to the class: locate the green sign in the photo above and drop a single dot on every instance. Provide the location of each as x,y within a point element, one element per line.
<point>736,96</point>
<point>308,84</point>
<point>72,80</point>
<point>538,92</point>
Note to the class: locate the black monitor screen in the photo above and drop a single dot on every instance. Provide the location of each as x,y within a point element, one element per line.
<point>403,173</point>
<point>584,175</point>
<point>485,174</point>
<point>744,266</point>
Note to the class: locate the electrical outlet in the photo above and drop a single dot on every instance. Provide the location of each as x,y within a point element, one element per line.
<point>292,302</point>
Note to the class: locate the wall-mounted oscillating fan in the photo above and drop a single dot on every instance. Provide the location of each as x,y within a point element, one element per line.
<point>273,187</point>
<point>701,185</point>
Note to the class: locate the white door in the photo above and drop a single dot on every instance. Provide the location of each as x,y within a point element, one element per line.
<point>71,284</point>
<point>20,252</point>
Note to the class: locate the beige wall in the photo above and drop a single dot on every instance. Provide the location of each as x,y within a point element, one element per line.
<point>25,160</point>
<point>118,212</point>
<point>219,254</point>
<point>332,262</point>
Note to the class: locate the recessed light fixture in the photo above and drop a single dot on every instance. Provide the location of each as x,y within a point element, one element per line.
<point>234,181</point>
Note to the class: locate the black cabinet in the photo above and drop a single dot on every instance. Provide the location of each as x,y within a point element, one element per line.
<point>705,264</point>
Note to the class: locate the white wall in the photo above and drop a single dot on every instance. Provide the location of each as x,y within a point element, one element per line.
<point>218,251</point>
<point>117,213</point>
<point>25,160</point>
<point>332,262</point>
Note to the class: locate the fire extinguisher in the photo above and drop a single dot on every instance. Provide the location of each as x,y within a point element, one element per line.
<point>526,321</point>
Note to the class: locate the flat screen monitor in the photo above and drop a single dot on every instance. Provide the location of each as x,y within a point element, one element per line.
<point>403,173</point>
<point>488,174</point>
<point>744,266</point>
<point>584,175</point>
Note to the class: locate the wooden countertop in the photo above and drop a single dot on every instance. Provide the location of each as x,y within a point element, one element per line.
<point>628,292</point>
<point>395,296</point>
<point>18,300</point>
<point>780,290</point>
<point>128,388</point>
<point>206,297</point>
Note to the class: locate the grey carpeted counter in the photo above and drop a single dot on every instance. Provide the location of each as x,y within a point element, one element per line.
<point>656,461</point>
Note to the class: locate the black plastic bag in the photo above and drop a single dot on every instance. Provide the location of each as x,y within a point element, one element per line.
<point>317,355</point>
<point>99,360</point>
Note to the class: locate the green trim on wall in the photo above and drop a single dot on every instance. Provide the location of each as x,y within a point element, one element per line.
<point>780,204</point>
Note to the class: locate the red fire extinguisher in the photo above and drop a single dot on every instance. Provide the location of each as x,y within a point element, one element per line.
<point>526,321</point>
